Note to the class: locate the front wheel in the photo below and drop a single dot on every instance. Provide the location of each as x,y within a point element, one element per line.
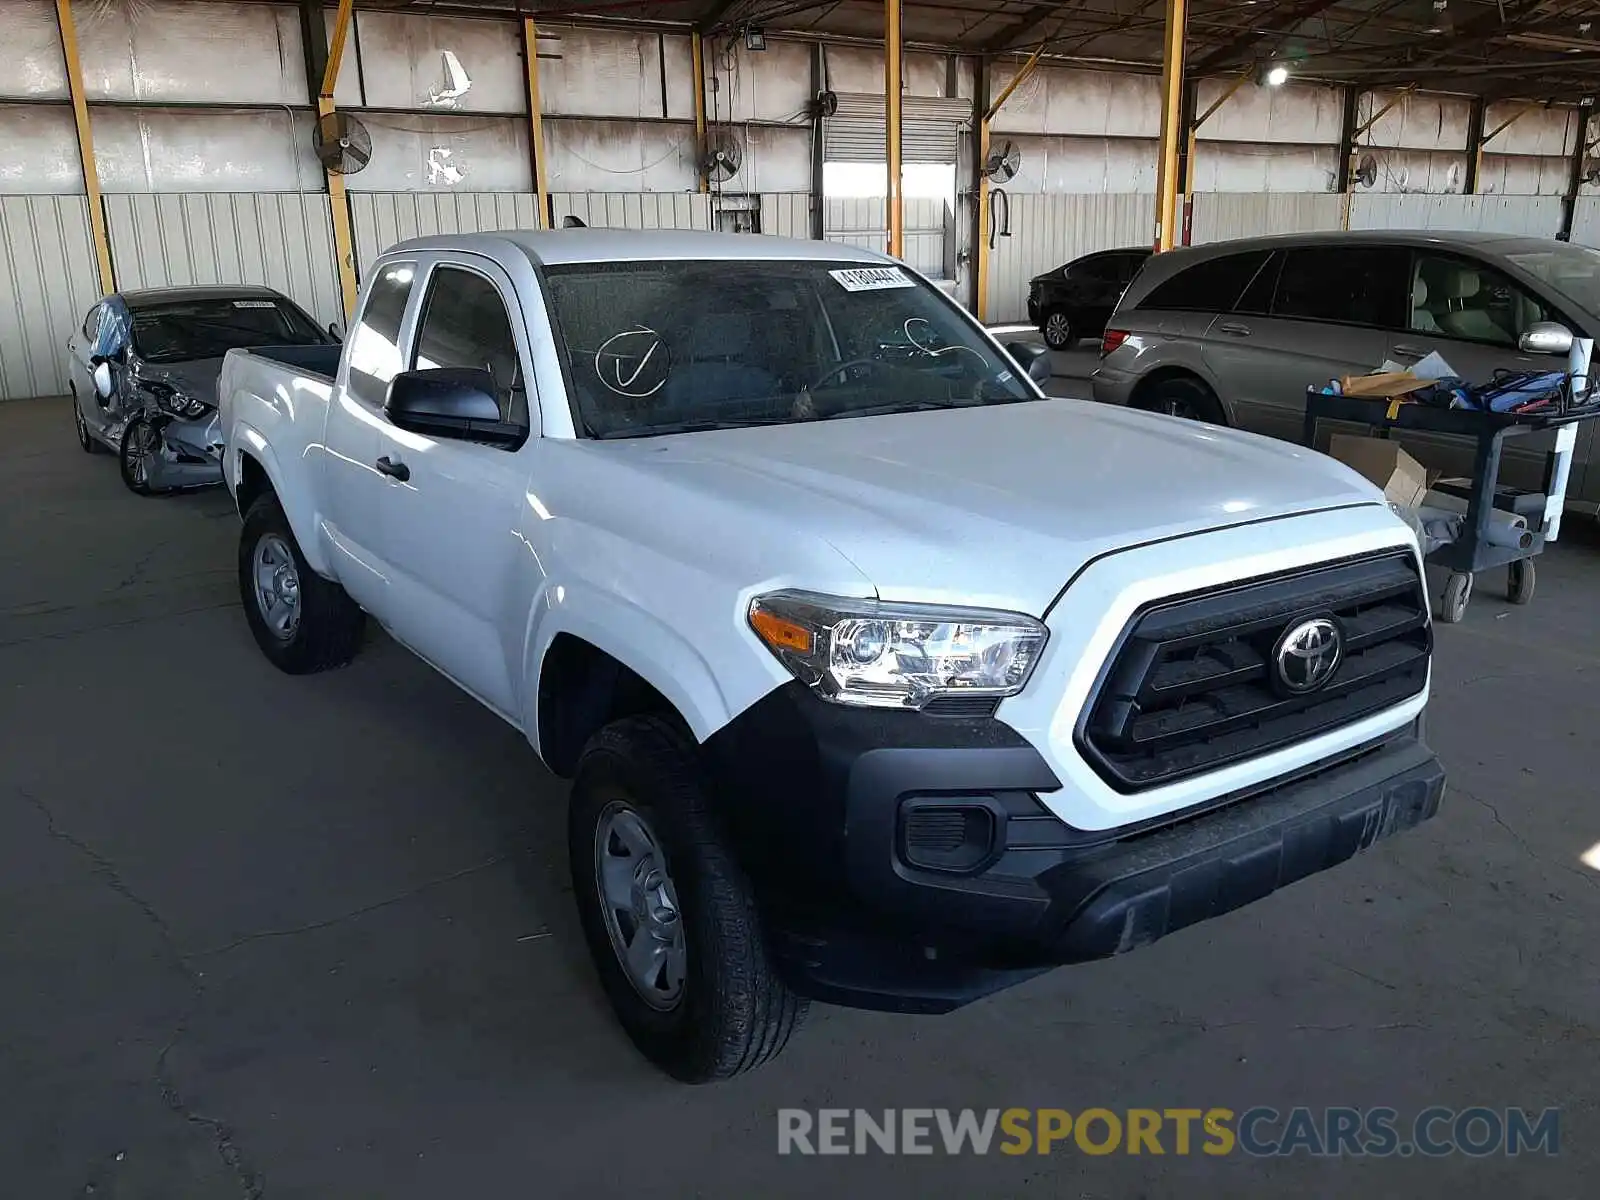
<point>668,915</point>
<point>140,451</point>
<point>86,441</point>
<point>1058,331</point>
<point>302,622</point>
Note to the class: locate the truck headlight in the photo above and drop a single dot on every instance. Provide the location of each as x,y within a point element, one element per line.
<point>881,655</point>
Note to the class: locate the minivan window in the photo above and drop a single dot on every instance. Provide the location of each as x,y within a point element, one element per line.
<point>1461,298</point>
<point>1574,271</point>
<point>1209,286</point>
<point>1257,298</point>
<point>1353,285</point>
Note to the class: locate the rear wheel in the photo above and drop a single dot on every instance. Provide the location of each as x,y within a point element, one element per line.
<point>1181,396</point>
<point>302,622</point>
<point>86,441</point>
<point>1058,331</point>
<point>668,915</point>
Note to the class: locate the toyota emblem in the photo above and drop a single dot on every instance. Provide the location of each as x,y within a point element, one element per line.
<point>1307,655</point>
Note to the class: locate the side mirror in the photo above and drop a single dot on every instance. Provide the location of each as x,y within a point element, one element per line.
<point>102,379</point>
<point>450,402</point>
<point>335,332</point>
<point>1546,337</point>
<point>1035,360</point>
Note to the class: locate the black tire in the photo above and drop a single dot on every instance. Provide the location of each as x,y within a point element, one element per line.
<point>1181,396</point>
<point>133,476</point>
<point>327,630</point>
<point>86,440</point>
<point>1457,592</point>
<point>733,1013</point>
<point>1058,330</point>
<point>1520,581</point>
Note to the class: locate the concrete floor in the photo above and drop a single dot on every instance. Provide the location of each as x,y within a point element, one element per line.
<point>263,936</point>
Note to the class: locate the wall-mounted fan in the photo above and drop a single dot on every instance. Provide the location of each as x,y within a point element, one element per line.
<point>723,158</point>
<point>1003,163</point>
<point>1366,172</point>
<point>826,104</point>
<point>1591,170</point>
<point>342,143</point>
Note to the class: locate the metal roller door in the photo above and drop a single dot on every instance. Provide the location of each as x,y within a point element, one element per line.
<point>930,129</point>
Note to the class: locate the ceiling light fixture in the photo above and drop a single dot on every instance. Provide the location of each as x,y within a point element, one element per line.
<point>1276,75</point>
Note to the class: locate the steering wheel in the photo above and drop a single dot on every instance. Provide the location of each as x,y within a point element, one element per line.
<point>841,368</point>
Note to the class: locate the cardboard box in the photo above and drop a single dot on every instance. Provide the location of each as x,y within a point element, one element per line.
<point>1403,479</point>
<point>1382,384</point>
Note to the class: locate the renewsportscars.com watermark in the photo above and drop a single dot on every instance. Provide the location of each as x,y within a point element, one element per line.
<point>1259,1132</point>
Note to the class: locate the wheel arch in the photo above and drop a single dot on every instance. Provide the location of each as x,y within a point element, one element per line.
<point>1144,391</point>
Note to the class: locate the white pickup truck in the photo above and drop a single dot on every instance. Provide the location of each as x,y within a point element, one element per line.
<point>881,678</point>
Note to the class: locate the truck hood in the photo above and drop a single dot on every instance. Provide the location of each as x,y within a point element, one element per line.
<point>1000,506</point>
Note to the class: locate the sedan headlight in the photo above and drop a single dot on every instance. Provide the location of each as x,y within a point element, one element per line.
<point>880,655</point>
<point>170,400</point>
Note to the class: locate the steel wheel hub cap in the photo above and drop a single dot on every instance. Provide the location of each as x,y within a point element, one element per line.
<point>277,586</point>
<point>640,903</point>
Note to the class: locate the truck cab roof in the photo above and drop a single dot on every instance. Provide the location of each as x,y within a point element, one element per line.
<point>557,246</point>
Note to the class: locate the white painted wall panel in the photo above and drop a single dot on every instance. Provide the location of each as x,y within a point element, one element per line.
<point>1586,221</point>
<point>404,65</point>
<point>1047,231</point>
<point>786,214</point>
<point>35,69</point>
<point>860,69</point>
<point>1221,215</point>
<point>602,72</point>
<point>1536,131</point>
<point>47,283</point>
<point>1251,167</point>
<point>775,160</point>
<point>204,150</point>
<point>1063,101</point>
<point>40,150</point>
<point>1537,216</point>
<point>766,85</point>
<point>1297,113</point>
<point>1423,122</point>
<point>634,210</point>
<point>1524,175</point>
<point>170,51</point>
<point>616,156</point>
<point>677,58</point>
<point>283,241</point>
<point>1440,171</point>
<point>380,219</point>
<point>424,152</point>
<point>1082,164</point>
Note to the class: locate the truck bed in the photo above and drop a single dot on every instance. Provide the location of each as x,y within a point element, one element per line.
<point>321,361</point>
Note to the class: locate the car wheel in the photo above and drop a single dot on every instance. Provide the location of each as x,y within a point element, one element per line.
<point>668,915</point>
<point>302,622</point>
<point>1058,331</point>
<point>1181,396</point>
<point>141,445</point>
<point>86,440</point>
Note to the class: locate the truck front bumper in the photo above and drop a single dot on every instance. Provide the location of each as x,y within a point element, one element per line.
<point>903,861</point>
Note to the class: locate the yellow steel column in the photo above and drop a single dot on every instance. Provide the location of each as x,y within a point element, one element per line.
<point>985,125</point>
<point>541,184</point>
<point>891,115</point>
<point>80,116</point>
<point>338,202</point>
<point>1167,231</point>
<point>697,53</point>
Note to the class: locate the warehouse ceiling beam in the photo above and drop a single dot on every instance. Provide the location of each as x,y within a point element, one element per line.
<point>1245,48</point>
<point>712,19</point>
<point>338,201</point>
<point>536,146</point>
<point>892,85</point>
<point>91,174</point>
<point>1172,131</point>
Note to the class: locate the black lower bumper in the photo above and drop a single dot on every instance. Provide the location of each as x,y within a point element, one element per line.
<point>829,808</point>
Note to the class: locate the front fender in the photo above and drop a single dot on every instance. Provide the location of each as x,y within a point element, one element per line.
<point>245,439</point>
<point>646,645</point>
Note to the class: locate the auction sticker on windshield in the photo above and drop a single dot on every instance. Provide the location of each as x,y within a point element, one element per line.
<point>254,304</point>
<point>872,279</point>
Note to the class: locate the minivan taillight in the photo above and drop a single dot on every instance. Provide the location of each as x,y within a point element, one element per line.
<point>1111,339</point>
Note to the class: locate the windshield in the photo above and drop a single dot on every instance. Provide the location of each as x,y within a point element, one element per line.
<point>1574,271</point>
<point>662,347</point>
<point>186,330</point>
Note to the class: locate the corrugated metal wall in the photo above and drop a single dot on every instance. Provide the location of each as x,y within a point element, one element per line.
<point>1536,216</point>
<point>634,210</point>
<point>1047,231</point>
<point>283,240</point>
<point>1586,221</point>
<point>1221,215</point>
<point>380,219</point>
<point>47,283</point>
<point>786,214</point>
<point>864,221</point>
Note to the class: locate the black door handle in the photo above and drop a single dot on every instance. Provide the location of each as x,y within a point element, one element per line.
<point>395,470</point>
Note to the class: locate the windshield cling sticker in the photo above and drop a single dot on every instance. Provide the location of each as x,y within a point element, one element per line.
<point>872,279</point>
<point>254,304</point>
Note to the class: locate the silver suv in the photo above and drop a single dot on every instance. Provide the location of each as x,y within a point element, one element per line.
<point>1234,332</point>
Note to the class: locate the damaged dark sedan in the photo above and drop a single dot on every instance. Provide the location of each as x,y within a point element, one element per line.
<point>144,371</point>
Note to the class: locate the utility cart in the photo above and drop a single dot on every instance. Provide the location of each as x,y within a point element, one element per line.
<point>1473,551</point>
